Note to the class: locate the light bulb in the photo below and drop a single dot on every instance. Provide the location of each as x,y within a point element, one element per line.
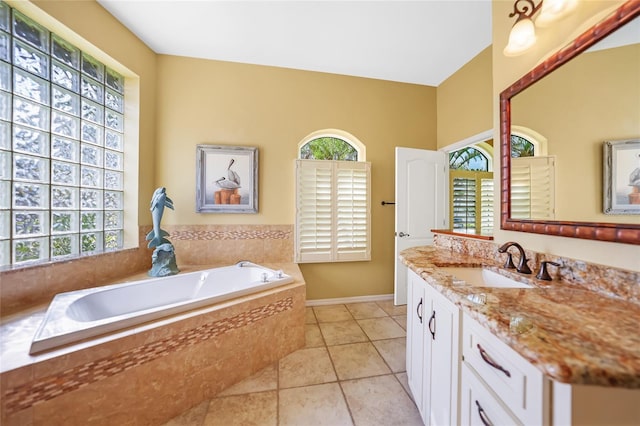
<point>553,10</point>
<point>521,37</point>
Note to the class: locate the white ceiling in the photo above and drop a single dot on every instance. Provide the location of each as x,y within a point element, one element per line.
<point>421,42</point>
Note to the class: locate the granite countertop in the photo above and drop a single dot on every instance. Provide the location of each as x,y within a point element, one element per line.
<point>572,334</point>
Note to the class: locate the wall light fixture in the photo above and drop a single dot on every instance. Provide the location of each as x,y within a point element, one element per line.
<point>523,33</point>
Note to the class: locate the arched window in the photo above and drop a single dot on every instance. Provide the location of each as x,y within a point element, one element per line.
<point>471,189</point>
<point>328,148</point>
<point>532,176</point>
<point>468,158</point>
<point>331,144</point>
<point>333,199</point>
<point>521,147</point>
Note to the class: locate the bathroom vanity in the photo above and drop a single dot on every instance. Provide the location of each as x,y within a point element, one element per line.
<point>525,351</point>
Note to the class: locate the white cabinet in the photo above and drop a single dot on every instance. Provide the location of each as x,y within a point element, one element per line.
<point>511,386</point>
<point>460,373</point>
<point>478,405</point>
<point>433,360</point>
<point>444,337</point>
<point>415,336</point>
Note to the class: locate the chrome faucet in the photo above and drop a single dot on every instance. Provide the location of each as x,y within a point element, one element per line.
<point>523,268</point>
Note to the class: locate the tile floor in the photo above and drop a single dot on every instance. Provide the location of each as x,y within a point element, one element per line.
<point>351,372</point>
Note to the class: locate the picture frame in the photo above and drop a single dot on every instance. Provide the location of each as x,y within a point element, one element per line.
<point>621,180</point>
<point>226,179</point>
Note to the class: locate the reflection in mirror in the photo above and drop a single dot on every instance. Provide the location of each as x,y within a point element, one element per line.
<point>593,98</point>
<point>575,101</point>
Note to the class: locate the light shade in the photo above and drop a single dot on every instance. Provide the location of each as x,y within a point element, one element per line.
<point>553,10</point>
<point>521,37</point>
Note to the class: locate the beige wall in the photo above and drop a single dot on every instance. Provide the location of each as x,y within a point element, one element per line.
<point>593,98</point>
<point>100,29</point>
<point>465,101</point>
<point>212,102</point>
<point>508,70</point>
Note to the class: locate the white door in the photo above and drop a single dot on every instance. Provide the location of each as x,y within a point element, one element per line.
<point>421,205</point>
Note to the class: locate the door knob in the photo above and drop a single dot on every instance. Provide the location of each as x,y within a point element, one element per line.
<point>402,234</point>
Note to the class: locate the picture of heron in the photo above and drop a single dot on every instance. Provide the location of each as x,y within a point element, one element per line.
<point>232,181</point>
<point>626,177</point>
<point>226,179</point>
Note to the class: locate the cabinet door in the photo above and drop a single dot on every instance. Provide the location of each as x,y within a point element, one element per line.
<point>415,336</point>
<point>443,336</point>
<point>479,406</point>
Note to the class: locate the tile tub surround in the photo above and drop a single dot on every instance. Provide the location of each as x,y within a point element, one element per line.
<point>572,334</point>
<point>150,373</point>
<point>206,244</point>
<point>23,288</point>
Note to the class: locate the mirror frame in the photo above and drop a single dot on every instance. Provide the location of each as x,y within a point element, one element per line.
<point>613,232</point>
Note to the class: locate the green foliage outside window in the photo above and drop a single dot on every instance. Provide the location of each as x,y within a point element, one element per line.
<point>328,148</point>
<point>61,246</point>
<point>468,158</point>
<point>520,147</point>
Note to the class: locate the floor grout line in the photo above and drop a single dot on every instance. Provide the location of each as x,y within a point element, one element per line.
<point>338,380</point>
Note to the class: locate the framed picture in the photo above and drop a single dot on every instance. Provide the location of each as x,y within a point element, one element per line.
<point>622,177</point>
<point>226,179</point>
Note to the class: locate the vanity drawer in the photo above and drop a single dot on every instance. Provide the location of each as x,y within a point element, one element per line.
<point>518,384</point>
<point>480,406</point>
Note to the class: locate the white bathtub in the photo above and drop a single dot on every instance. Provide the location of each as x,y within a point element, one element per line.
<point>82,314</point>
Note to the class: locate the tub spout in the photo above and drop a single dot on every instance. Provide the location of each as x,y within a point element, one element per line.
<point>243,263</point>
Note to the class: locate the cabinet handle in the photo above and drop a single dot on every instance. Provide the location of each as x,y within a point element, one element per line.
<point>432,321</point>
<point>483,415</point>
<point>485,356</point>
<point>418,310</point>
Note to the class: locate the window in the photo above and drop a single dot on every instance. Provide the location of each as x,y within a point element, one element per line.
<point>521,147</point>
<point>61,146</point>
<point>470,191</point>
<point>532,188</point>
<point>532,180</point>
<point>332,203</point>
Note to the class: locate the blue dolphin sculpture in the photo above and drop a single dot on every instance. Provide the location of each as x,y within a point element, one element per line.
<point>158,202</point>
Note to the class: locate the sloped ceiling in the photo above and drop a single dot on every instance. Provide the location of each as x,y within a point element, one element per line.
<point>421,42</point>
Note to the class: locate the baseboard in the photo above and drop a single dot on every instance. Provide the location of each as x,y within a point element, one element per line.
<point>356,299</point>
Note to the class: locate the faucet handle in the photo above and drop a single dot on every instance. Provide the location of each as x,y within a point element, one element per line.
<point>542,273</point>
<point>508,264</point>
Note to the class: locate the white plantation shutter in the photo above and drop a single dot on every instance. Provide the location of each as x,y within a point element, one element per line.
<point>471,200</point>
<point>532,187</point>
<point>332,211</point>
<point>463,205</point>
<point>486,205</point>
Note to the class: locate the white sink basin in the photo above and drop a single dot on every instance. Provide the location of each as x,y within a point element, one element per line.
<point>481,277</point>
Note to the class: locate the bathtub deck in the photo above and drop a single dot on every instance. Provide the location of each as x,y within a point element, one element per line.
<point>206,344</point>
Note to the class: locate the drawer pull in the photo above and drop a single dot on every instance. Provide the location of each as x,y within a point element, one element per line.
<point>418,310</point>
<point>483,415</point>
<point>432,322</point>
<point>485,356</point>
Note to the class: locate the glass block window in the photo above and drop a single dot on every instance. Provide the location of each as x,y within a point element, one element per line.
<point>61,146</point>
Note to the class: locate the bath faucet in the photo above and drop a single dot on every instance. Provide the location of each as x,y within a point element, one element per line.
<point>543,274</point>
<point>523,268</point>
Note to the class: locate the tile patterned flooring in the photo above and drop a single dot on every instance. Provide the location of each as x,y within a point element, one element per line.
<point>351,372</point>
